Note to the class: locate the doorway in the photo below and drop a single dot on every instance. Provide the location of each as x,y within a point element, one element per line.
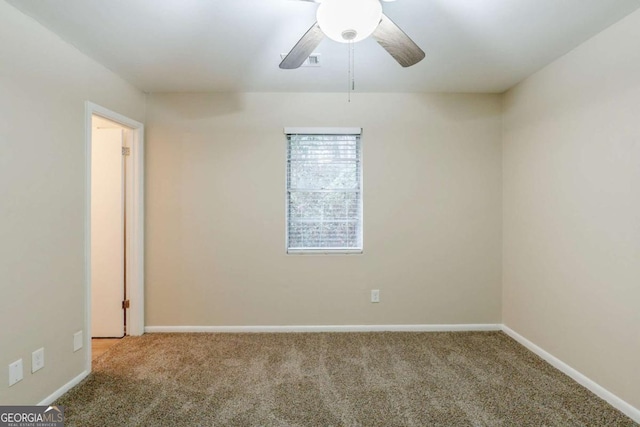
<point>114,305</point>
<point>109,149</point>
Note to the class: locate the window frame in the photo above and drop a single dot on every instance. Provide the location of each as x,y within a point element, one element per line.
<point>289,131</point>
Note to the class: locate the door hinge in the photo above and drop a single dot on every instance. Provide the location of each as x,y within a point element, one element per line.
<point>126,151</point>
<point>125,304</point>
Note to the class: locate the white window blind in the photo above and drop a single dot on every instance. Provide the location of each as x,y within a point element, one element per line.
<point>324,193</point>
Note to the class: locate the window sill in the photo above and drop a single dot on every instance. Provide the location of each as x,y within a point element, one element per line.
<point>324,252</point>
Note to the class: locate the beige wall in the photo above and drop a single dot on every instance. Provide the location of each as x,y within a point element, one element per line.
<point>571,166</point>
<point>44,83</point>
<point>215,248</point>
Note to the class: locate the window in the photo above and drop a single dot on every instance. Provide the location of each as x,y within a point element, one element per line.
<point>324,191</point>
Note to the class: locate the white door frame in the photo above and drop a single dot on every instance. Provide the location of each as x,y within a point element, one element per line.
<point>134,218</point>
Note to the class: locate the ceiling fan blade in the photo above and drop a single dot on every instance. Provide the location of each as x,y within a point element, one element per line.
<point>305,47</point>
<point>397,43</point>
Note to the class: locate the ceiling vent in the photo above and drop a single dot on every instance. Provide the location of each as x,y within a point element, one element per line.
<point>312,61</point>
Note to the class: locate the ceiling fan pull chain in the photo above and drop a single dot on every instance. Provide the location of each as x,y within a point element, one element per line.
<point>352,81</point>
<point>349,73</point>
<point>353,67</point>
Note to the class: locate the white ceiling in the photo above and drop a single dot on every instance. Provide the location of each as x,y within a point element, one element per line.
<point>235,45</point>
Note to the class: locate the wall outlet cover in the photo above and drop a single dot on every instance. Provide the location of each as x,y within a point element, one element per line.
<point>375,295</point>
<point>77,341</point>
<point>15,372</point>
<point>37,360</point>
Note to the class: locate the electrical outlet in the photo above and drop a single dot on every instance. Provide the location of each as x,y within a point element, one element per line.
<point>77,341</point>
<point>15,372</point>
<point>37,360</point>
<point>375,295</point>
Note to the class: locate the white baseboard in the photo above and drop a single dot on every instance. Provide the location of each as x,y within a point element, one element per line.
<point>327,328</point>
<point>65,388</point>
<point>624,407</point>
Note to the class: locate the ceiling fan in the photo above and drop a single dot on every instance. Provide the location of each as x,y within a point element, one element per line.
<point>349,21</point>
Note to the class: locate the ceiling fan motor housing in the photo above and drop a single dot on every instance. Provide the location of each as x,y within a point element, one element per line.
<point>349,34</point>
<point>349,20</point>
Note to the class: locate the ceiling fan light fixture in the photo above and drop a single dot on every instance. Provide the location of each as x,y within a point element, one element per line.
<point>349,20</point>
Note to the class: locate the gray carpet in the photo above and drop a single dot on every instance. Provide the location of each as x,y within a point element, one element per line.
<point>323,379</point>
